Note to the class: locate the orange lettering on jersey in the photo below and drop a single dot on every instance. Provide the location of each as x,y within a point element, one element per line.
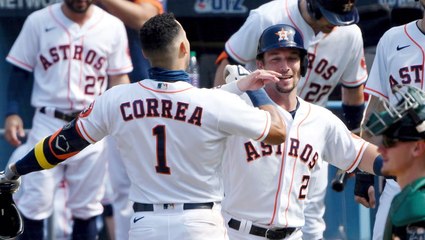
<point>152,107</point>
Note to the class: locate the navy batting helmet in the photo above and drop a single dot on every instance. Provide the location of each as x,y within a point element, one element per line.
<point>337,12</point>
<point>282,36</point>
<point>404,121</point>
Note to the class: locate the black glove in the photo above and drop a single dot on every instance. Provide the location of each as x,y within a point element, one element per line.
<point>363,181</point>
<point>11,224</point>
<point>10,218</point>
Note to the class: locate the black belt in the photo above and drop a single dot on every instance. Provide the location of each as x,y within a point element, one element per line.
<point>269,233</point>
<point>144,207</point>
<point>67,117</point>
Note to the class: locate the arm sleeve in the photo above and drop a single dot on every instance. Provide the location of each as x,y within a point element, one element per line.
<point>52,150</point>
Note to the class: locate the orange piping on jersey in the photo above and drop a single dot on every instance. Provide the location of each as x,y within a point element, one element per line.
<point>163,91</point>
<point>223,55</point>
<point>422,50</point>
<point>22,64</point>
<point>376,92</point>
<point>264,131</point>
<point>119,70</point>
<point>84,130</point>
<point>295,165</point>
<point>276,198</point>
<point>307,78</point>
<point>292,21</point>
<point>155,3</point>
<point>69,62</point>
<point>359,80</point>
<point>357,157</point>
<point>241,60</point>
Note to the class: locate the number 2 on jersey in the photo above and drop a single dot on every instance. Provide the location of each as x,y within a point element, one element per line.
<point>161,160</point>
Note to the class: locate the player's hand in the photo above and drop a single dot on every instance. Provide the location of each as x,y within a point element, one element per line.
<point>14,130</point>
<point>364,190</point>
<point>258,79</point>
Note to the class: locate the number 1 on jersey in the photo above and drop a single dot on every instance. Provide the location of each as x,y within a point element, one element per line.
<point>161,167</point>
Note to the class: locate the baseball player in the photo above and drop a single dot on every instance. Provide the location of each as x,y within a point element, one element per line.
<point>171,136</point>
<point>402,128</point>
<point>398,60</point>
<point>134,14</point>
<point>329,65</point>
<point>279,176</point>
<point>74,50</point>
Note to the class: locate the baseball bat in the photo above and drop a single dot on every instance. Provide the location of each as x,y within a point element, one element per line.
<point>339,180</point>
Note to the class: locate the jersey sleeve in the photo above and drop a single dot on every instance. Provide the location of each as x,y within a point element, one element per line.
<point>242,45</point>
<point>119,60</point>
<point>343,149</point>
<point>239,118</point>
<point>92,123</point>
<point>24,50</point>
<point>355,74</point>
<point>375,84</point>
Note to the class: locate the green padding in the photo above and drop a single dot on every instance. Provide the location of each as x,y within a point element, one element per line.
<point>409,205</point>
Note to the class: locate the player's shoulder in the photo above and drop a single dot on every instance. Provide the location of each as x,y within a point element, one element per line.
<point>396,32</point>
<point>318,113</point>
<point>270,11</point>
<point>45,12</point>
<point>406,205</point>
<point>348,33</point>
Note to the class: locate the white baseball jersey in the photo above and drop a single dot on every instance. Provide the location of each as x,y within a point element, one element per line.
<point>242,45</point>
<point>268,184</point>
<point>70,62</point>
<point>172,136</point>
<point>337,58</point>
<point>399,59</point>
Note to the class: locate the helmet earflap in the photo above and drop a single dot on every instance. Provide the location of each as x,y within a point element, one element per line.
<point>313,9</point>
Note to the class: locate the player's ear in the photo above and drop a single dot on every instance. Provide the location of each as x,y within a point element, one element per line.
<point>183,48</point>
<point>260,64</point>
<point>419,149</point>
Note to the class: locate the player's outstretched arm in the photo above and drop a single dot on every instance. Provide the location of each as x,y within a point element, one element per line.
<point>50,151</point>
<point>219,73</point>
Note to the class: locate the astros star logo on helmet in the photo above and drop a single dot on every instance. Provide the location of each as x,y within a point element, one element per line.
<point>283,34</point>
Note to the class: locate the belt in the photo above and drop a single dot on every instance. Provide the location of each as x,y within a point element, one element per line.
<point>67,117</point>
<point>144,207</point>
<point>269,233</point>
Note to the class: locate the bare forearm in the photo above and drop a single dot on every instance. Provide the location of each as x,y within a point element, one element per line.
<point>133,15</point>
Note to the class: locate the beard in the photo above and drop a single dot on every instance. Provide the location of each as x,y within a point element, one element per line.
<point>76,7</point>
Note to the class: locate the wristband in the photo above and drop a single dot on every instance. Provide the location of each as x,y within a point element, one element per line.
<point>259,97</point>
<point>377,166</point>
<point>353,115</point>
<point>231,87</point>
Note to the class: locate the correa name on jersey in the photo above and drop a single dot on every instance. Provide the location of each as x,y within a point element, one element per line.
<point>308,155</point>
<point>63,52</point>
<point>161,108</point>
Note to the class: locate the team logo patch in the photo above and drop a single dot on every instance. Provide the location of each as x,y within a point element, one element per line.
<point>86,111</point>
<point>348,6</point>
<point>284,35</point>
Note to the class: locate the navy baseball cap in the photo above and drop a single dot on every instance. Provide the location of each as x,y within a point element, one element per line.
<point>339,12</point>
